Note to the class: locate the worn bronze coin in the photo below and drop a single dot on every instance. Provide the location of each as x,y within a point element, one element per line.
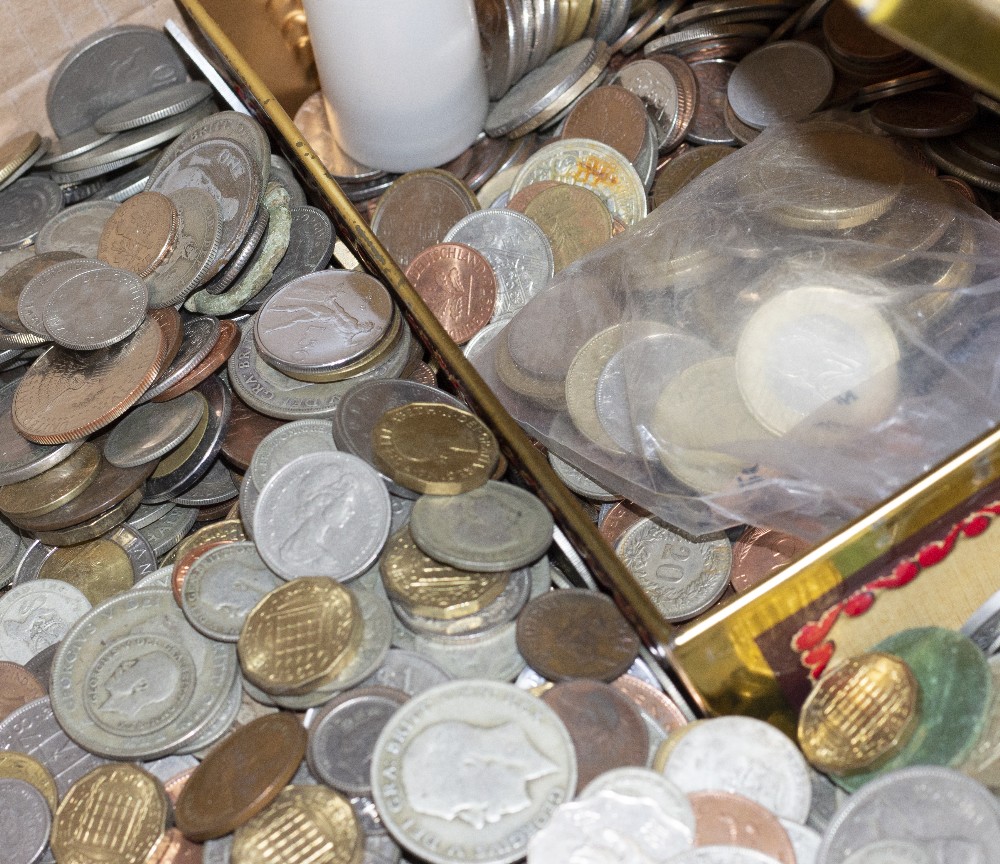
<point>520,201</point>
<point>759,552</point>
<point>245,430</point>
<point>655,703</point>
<point>241,776</point>
<point>574,219</point>
<point>17,687</point>
<point>576,633</point>
<point>225,345</point>
<point>140,233</point>
<point>606,728</point>
<point>458,285</point>
<point>728,819</point>
<point>51,489</point>
<point>610,114</point>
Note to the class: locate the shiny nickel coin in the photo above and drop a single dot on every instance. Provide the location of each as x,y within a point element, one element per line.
<point>153,430</point>
<point>28,204</point>
<point>96,309</point>
<point>76,229</point>
<point>286,443</point>
<point>158,105</point>
<point>27,821</point>
<point>165,533</point>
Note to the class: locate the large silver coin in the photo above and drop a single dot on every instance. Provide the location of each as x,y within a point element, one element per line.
<point>76,229</point>
<point>21,459</point>
<point>37,614</point>
<point>939,810</point>
<point>133,680</point>
<point>406,671</point>
<point>26,821</point>
<point>166,532</point>
<point>468,771</point>
<point>27,205</point>
<point>154,429</point>
<point>34,297</point>
<point>158,105</point>
<point>95,310</point>
<point>322,514</point>
<point>288,442</point>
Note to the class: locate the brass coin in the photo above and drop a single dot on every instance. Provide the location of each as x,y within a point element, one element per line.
<point>99,568</point>
<point>23,767</point>
<point>300,635</point>
<point>15,151</point>
<point>94,527</point>
<point>431,589</point>
<point>117,812</point>
<point>18,686</point>
<point>574,219</point>
<point>241,776</point>
<point>229,530</point>
<point>434,449</point>
<point>53,488</point>
<point>860,714</point>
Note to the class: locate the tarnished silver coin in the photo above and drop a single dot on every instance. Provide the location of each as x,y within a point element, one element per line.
<point>805,841</point>
<point>132,680</point>
<point>200,335</point>
<point>21,459</point>
<point>37,614</point>
<point>76,229</point>
<point>491,655</point>
<point>517,250</point>
<point>493,528</point>
<point>27,204</point>
<point>34,298</point>
<point>146,514</point>
<point>96,309</point>
<point>580,483</point>
<point>287,442</point>
<point>654,84</point>
<point>221,588</point>
<point>469,770</point>
<point>151,107</point>
<point>406,671</point>
<point>27,820</point>
<point>152,430</point>
<point>67,146</point>
<point>213,487</point>
<point>682,577</point>
<point>322,514</point>
<point>167,531</point>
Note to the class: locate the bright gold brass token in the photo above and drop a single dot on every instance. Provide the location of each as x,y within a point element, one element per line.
<point>117,812</point>
<point>434,449</point>
<point>304,825</point>
<point>20,766</point>
<point>51,489</point>
<point>860,714</point>
<point>16,151</point>
<point>300,635</point>
<point>433,590</point>
<point>100,569</point>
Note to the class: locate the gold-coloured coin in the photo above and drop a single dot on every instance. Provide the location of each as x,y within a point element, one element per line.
<point>304,825</point>
<point>431,589</point>
<point>579,19</point>
<point>300,635</point>
<point>680,171</point>
<point>575,220</point>
<point>117,812</point>
<point>16,151</point>
<point>20,766</point>
<point>227,531</point>
<point>49,490</point>
<point>860,714</point>
<point>100,569</point>
<point>434,449</point>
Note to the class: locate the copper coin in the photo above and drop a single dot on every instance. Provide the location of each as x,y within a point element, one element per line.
<point>418,209</point>
<point>924,115</point>
<point>612,115</point>
<point>422,373</point>
<point>175,848</point>
<point>67,395</point>
<point>849,38</point>
<point>653,702</point>
<point>606,728</point>
<point>13,281</point>
<point>184,563</point>
<point>458,285</point>
<point>175,785</point>
<point>618,519</point>
<point>574,633</point>
<point>245,430</point>
<point>575,220</point>
<point>140,233</point>
<point>51,489</point>
<point>528,194</point>
<point>170,323</point>
<point>225,345</point>
<point>727,819</point>
<point>17,687</point>
<point>214,512</point>
<point>241,776</point>
<point>109,487</point>
<point>759,553</point>
<point>708,126</point>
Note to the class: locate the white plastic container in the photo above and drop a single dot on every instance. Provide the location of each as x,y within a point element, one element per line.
<point>404,79</point>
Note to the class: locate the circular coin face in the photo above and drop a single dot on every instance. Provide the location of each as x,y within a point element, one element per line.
<point>469,770</point>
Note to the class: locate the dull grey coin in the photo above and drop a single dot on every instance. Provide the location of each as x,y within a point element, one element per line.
<point>152,430</point>
<point>493,528</point>
<point>167,531</point>
<point>96,309</point>
<point>281,172</point>
<point>158,105</point>
<point>406,671</point>
<point>201,332</point>
<point>37,614</point>
<point>214,487</point>
<point>146,514</point>
<point>76,229</point>
<point>27,205</point>
<point>125,185</point>
<point>27,820</point>
<point>109,68</point>
<point>287,442</point>
<point>67,146</point>
<point>21,459</point>
<point>34,298</point>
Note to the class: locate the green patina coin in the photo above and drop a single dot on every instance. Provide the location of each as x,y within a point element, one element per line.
<point>956,693</point>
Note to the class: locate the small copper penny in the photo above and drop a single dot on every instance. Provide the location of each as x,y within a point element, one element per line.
<point>140,233</point>
<point>17,687</point>
<point>761,552</point>
<point>241,776</point>
<point>225,345</point>
<point>727,819</point>
<point>574,633</point>
<point>422,373</point>
<point>574,219</point>
<point>606,728</point>
<point>618,519</point>
<point>170,323</point>
<point>610,114</point>
<point>245,430</point>
<point>528,194</point>
<point>175,848</point>
<point>654,702</point>
<point>458,285</point>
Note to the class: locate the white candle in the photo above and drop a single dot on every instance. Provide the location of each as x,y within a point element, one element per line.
<point>404,79</point>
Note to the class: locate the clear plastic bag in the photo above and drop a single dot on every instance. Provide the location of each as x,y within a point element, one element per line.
<point>801,331</point>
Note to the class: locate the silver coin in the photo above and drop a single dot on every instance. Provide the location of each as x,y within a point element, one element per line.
<point>492,655</point>
<point>74,180</point>
<point>472,769</point>
<point>945,813</point>
<point>380,849</point>
<point>493,528</point>
<point>499,31</point>
<point>161,580</point>
<point>282,172</point>
<point>27,205</point>
<point>76,229</point>
<point>477,346</point>
<point>890,852</point>
<point>235,266</point>
<point>152,430</point>
<point>32,729</point>
<point>217,851</point>
<point>168,767</point>
<point>745,756</point>
<point>219,726</point>
<point>515,247</point>
<point>95,310</point>
<point>221,588</point>
<point>37,614</point>
<point>132,680</point>
<point>805,841</point>
<point>11,544</point>
<point>140,554</point>
<point>67,146</point>
<point>201,332</point>
<point>249,495</point>
<point>682,577</point>
<point>406,671</point>
<point>342,737</point>
<point>108,68</point>
<point>167,531</point>
<point>783,81</point>
<point>723,855</point>
<point>401,509</point>
<point>580,483</point>
<point>214,487</point>
<point>125,185</point>
<point>34,297</point>
<point>646,783</point>
<point>24,832</point>
<point>322,514</point>
<point>278,448</point>
<point>152,107</point>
